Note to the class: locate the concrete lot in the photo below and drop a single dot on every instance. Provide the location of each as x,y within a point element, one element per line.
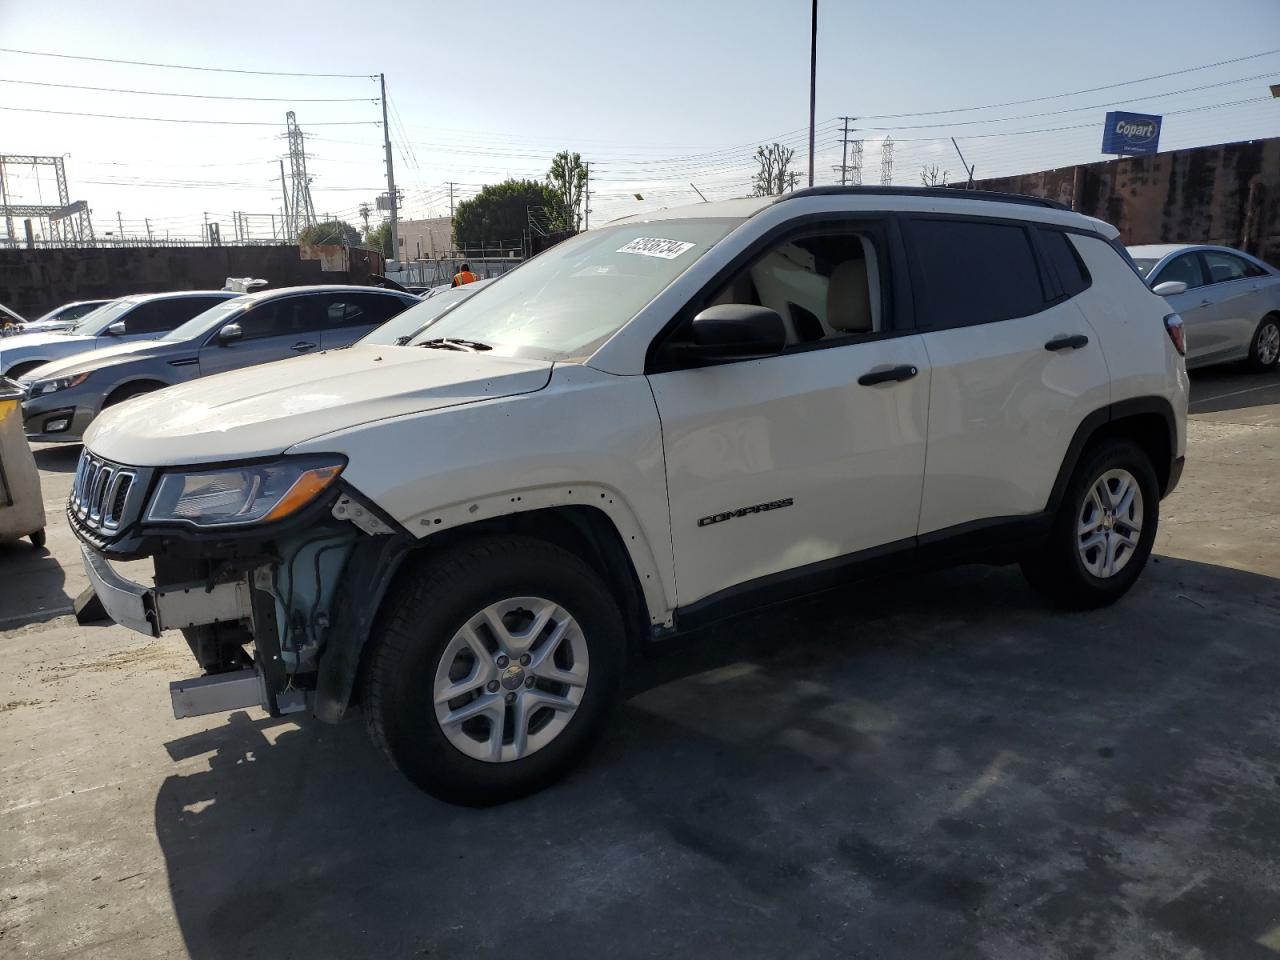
<point>936,768</point>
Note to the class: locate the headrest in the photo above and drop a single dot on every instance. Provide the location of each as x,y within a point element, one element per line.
<point>848,302</point>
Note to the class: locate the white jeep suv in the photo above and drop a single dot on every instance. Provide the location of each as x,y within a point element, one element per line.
<point>468,527</point>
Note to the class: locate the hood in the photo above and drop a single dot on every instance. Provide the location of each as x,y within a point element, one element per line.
<point>262,411</point>
<point>43,340</point>
<point>86,360</point>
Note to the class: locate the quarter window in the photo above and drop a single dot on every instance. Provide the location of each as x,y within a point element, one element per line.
<point>975,272</point>
<point>1065,261</point>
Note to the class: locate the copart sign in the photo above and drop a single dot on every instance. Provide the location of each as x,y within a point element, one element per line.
<point>1131,133</point>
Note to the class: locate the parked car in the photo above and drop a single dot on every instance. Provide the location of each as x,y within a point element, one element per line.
<point>65,396</point>
<point>10,322</point>
<point>415,320</point>
<point>647,427</point>
<point>1229,301</point>
<point>62,318</point>
<point>142,317</point>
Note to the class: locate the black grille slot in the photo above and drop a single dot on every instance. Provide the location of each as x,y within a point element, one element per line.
<point>100,494</point>
<point>116,508</point>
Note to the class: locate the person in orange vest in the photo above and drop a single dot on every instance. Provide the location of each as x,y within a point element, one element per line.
<point>464,276</point>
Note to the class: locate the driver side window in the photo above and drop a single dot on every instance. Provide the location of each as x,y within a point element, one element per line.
<point>1185,268</point>
<point>826,284</point>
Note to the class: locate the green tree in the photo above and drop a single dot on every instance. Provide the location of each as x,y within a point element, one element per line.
<point>331,231</point>
<point>379,238</point>
<point>500,212</point>
<point>568,178</point>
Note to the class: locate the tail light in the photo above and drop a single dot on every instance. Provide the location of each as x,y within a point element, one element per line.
<point>1173,325</point>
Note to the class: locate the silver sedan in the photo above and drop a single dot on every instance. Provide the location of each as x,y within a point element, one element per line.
<point>1229,301</point>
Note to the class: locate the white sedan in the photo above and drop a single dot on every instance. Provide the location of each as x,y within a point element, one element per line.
<point>1229,301</point>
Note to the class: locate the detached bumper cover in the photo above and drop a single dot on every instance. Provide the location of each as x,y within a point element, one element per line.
<point>148,610</point>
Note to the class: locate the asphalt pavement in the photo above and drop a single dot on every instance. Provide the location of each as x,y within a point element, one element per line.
<point>936,767</point>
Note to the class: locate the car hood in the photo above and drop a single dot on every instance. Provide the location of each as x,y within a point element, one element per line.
<point>263,410</point>
<point>84,361</point>
<point>38,340</point>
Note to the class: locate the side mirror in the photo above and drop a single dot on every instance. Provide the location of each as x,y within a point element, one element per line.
<point>1170,288</point>
<point>230,333</point>
<point>117,329</point>
<point>736,331</point>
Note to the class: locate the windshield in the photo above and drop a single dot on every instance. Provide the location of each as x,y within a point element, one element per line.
<point>1144,266</point>
<point>403,327</point>
<point>95,323</point>
<point>212,318</point>
<point>567,301</point>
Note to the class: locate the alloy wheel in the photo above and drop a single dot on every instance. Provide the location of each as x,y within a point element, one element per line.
<point>510,679</point>
<point>1269,343</point>
<point>1110,523</point>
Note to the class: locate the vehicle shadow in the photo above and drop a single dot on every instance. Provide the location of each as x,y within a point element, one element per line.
<point>32,582</point>
<point>944,767</point>
<point>1219,389</point>
<point>57,457</point>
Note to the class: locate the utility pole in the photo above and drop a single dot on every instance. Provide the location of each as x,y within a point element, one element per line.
<point>451,200</point>
<point>844,153</point>
<point>391,176</point>
<point>586,206</point>
<point>120,224</point>
<point>813,81</point>
<point>147,221</point>
<point>967,169</point>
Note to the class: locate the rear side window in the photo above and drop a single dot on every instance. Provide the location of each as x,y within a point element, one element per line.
<point>1064,261</point>
<point>362,309</point>
<point>975,272</point>
<point>1224,267</point>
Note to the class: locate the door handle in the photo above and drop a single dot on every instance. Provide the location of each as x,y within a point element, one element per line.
<point>1205,303</point>
<point>1073,342</point>
<point>302,346</point>
<point>904,372</point>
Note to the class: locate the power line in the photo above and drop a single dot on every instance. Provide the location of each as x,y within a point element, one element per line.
<point>193,96</point>
<point>231,123</point>
<point>183,66</point>
<point>1073,93</point>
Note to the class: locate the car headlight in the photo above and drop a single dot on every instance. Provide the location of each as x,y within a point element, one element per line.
<point>42,387</point>
<point>252,493</point>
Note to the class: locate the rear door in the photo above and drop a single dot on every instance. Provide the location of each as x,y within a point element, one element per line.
<point>270,330</point>
<point>1016,366</point>
<point>349,316</point>
<point>1238,301</point>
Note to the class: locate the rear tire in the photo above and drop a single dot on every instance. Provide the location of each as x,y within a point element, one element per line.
<point>1103,531</point>
<point>1264,348</point>
<point>525,728</point>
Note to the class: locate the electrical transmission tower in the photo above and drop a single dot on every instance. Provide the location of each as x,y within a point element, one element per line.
<point>68,222</point>
<point>850,168</point>
<point>886,161</point>
<point>300,213</point>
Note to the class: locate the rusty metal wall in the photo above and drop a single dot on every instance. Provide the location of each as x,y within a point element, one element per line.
<point>1228,194</point>
<point>33,281</point>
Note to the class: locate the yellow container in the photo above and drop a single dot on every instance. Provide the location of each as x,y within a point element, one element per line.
<point>21,502</point>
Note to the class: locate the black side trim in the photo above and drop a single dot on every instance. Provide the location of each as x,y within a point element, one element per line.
<point>802,581</point>
<point>998,540</point>
<point>1175,474</point>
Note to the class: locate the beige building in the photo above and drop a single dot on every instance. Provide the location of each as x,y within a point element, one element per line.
<point>421,239</point>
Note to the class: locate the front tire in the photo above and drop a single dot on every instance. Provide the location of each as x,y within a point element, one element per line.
<point>1103,531</point>
<point>1264,348</point>
<point>492,669</point>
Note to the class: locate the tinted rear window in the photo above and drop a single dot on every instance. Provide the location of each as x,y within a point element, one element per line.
<point>975,272</point>
<point>1064,261</point>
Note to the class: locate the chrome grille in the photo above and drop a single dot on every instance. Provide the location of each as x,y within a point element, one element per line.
<point>100,492</point>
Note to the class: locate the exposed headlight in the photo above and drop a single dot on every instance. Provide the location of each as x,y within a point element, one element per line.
<point>253,493</point>
<point>42,387</point>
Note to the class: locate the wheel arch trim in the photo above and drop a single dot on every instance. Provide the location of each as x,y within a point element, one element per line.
<point>1099,421</point>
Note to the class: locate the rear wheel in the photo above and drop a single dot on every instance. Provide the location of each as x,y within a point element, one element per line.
<point>493,669</point>
<point>1264,349</point>
<point>1104,529</point>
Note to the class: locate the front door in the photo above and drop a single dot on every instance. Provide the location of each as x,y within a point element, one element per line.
<point>781,463</point>
<point>272,330</point>
<point>1195,306</point>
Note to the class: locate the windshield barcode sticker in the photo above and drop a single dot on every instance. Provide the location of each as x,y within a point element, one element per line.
<point>656,247</point>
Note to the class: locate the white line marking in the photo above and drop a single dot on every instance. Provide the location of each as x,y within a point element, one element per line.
<point>1237,393</point>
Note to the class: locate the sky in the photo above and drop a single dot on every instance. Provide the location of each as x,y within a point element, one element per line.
<point>656,96</point>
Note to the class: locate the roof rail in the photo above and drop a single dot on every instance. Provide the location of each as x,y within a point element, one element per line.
<point>868,190</point>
